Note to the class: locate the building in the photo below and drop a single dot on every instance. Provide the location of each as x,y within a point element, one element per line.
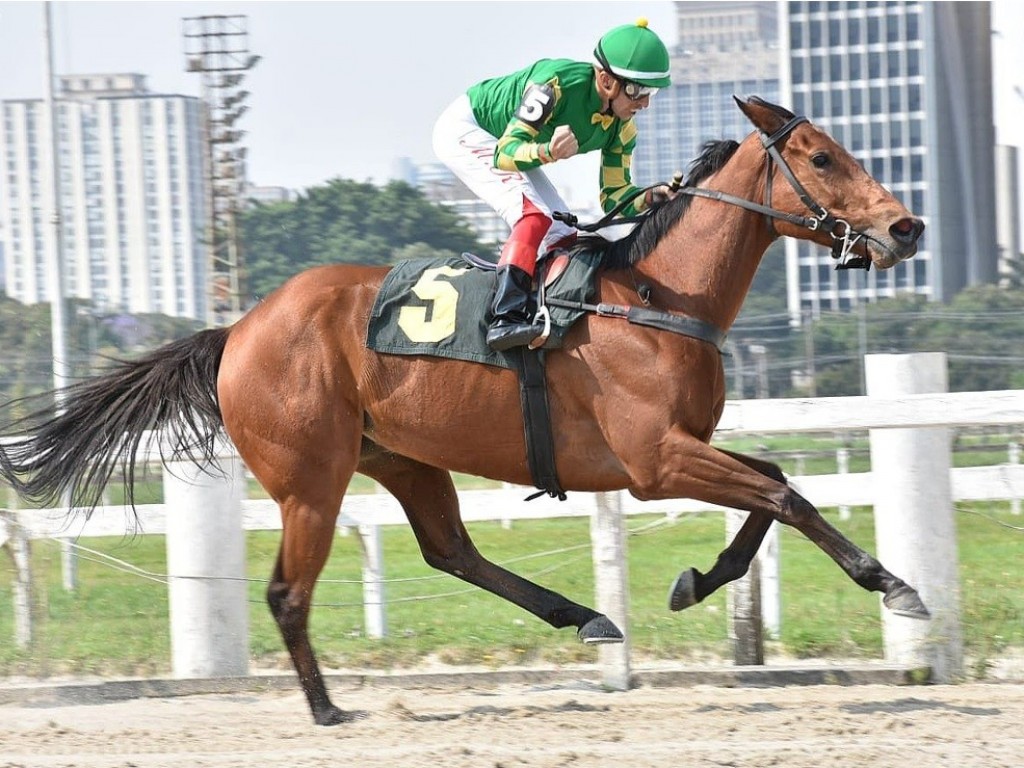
<point>439,185</point>
<point>723,49</point>
<point>906,86</point>
<point>1011,265</point>
<point>132,197</point>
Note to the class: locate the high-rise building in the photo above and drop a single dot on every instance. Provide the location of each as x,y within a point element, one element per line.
<point>906,86</point>
<point>724,49</point>
<point>132,197</point>
<point>439,185</point>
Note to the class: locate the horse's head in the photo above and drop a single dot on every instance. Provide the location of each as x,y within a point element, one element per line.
<point>812,178</point>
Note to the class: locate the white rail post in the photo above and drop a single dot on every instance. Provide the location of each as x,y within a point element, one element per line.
<point>842,467</point>
<point>208,593</point>
<point>1014,459</point>
<point>374,606</point>
<point>12,535</point>
<point>770,561</point>
<point>611,580</point>
<point>68,565</point>
<point>743,603</point>
<point>915,529</point>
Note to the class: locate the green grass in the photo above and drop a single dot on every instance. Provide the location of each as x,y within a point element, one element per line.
<point>116,623</point>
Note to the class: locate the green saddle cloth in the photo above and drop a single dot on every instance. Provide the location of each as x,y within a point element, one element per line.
<point>441,307</point>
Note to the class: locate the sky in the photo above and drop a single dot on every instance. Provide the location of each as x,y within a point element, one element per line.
<point>345,88</point>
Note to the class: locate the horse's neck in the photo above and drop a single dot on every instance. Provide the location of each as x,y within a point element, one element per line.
<point>705,264</point>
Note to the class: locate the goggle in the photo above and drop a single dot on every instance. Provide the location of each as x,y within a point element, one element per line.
<point>635,91</point>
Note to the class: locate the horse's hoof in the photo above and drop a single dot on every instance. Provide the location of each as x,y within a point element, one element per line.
<point>334,716</point>
<point>904,601</point>
<point>683,592</point>
<point>600,630</point>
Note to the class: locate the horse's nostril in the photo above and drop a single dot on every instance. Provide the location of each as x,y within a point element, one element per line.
<point>907,230</point>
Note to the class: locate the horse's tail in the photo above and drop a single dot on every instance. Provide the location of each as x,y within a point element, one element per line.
<point>73,447</point>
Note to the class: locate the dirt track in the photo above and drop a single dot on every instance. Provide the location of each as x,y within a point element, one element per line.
<point>511,726</point>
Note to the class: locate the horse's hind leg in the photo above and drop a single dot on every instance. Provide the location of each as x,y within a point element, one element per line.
<point>305,544</point>
<point>428,497</point>
<point>692,586</point>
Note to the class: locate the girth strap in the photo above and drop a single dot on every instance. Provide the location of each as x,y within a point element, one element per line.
<point>540,444</point>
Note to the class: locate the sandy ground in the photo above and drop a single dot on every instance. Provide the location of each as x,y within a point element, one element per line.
<point>978,725</point>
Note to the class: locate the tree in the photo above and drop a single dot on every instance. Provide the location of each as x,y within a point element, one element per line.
<point>345,221</point>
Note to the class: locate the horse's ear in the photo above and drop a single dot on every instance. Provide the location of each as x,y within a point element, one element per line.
<point>761,114</point>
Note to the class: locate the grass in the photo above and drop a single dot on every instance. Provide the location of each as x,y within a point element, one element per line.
<point>117,623</point>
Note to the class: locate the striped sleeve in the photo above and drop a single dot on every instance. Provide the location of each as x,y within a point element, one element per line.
<point>616,182</point>
<point>517,150</point>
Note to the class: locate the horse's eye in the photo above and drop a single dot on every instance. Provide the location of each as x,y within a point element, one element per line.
<point>821,160</point>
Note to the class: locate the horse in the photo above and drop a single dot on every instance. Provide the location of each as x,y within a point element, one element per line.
<point>307,404</point>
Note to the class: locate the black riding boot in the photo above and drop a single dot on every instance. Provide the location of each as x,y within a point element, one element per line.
<point>511,326</point>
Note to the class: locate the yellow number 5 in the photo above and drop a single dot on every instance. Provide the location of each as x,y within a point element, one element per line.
<point>444,297</point>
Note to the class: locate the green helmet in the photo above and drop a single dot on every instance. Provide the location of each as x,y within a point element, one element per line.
<point>633,52</point>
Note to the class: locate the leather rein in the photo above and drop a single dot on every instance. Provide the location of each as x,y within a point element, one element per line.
<point>844,238</point>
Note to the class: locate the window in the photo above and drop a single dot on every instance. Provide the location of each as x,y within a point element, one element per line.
<point>874,65</point>
<point>796,34</point>
<point>894,98</point>
<point>817,69</point>
<point>893,61</point>
<point>896,172</point>
<point>916,133</point>
<point>913,29</point>
<point>853,32</point>
<point>877,139</point>
<point>835,67</point>
<point>856,101</point>
<point>834,33</point>
<point>892,28</point>
<point>815,34</point>
<point>797,69</point>
<point>875,100</point>
<point>874,30</point>
<point>913,62</point>
<point>856,68</point>
<point>914,98</point>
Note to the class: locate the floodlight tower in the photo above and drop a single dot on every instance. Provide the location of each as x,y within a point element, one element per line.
<point>217,47</point>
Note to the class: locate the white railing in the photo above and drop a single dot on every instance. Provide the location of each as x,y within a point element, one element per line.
<point>366,513</point>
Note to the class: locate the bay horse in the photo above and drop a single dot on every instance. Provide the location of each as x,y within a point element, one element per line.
<point>307,404</point>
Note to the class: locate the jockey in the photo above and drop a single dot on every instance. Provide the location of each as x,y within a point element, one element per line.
<point>497,135</point>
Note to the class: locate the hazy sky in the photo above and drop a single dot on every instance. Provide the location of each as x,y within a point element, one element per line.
<point>344,88</point>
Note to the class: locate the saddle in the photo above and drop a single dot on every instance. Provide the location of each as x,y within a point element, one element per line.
<point>440,307</point>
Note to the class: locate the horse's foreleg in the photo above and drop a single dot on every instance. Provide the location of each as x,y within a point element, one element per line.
<point>692,586</point>
<point>305,545</point>
<point>701,472</point>
<point>428,497</point>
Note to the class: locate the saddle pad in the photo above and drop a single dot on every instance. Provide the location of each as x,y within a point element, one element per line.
<point>441,307</point>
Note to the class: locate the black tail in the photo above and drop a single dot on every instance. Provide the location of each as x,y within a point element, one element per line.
<point>172,390</point>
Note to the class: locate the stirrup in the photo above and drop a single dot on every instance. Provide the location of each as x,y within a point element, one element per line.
<point>542,314</point>
<point>504,337</point>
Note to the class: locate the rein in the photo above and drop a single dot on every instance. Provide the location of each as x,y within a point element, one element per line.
<point>844,238</point>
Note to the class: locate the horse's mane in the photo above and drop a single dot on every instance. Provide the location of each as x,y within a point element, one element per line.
<point>620,254</point>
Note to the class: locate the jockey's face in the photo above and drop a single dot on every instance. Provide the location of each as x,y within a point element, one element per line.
<point>623,107</point>
<point>613,90</point>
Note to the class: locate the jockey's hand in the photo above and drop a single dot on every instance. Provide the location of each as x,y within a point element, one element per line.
<point>659,194</point>
<point>563,143</point>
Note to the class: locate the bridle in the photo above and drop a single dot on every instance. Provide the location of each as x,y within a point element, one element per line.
<point>844,237</point>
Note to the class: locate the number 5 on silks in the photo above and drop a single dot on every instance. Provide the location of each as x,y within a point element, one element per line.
<point>443,298</point>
